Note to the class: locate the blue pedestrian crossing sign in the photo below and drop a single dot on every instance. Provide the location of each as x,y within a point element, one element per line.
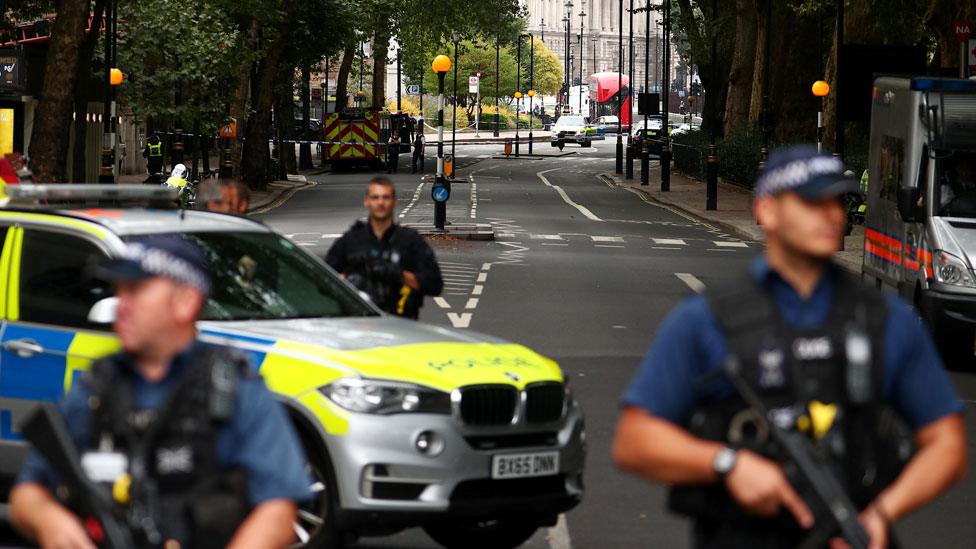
<point>440,194</point>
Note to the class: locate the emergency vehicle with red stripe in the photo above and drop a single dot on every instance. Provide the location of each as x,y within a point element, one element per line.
<point>920,225</point>
<point>360,136</point>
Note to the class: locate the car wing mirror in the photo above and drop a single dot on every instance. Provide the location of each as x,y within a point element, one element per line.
<point>908,207</point>
<point>103,311</point>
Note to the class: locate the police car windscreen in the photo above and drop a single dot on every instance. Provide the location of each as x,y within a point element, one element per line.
<point>956,175</point>
<point>265,276</point>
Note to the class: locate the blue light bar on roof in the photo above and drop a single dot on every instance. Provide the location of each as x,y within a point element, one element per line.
<point>922,83</point>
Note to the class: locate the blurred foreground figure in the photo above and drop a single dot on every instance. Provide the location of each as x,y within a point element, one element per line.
<point>793,405</point>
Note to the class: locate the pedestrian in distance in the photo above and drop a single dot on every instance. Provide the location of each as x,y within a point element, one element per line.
<point>391,263</point>
<point>418,148</point>
<point>193,448</point>
<point>795,358</point>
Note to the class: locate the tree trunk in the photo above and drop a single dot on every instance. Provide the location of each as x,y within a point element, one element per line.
<point>793,113</point>
<point>238,106</point>
<point>381,46</point>
<point>305,149</point>
<point>743,66</point>
<point>49,140</point>
<point>82,88</point>
<point>285,118</point>
<point>342,78</point>
<point>259,129</point>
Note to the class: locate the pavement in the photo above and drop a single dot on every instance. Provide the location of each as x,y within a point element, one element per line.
<point>734,211</point>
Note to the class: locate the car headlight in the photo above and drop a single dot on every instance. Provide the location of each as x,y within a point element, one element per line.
<point>380,396</point>
<point>950,269</point>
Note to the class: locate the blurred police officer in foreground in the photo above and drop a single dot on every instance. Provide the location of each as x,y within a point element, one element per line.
<point>186,428</point>
<point>226,195</point>
<point>393,264</point>
<point>810,341</point>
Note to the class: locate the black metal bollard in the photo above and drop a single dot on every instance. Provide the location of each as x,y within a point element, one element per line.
<point>530,141</point>
<point>645,162</point>
<point>630,161</point>
<point>517,144</point>
<point>711,179</point>
<point>666,166</point>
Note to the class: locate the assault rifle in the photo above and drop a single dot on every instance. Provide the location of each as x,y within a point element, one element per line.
<point>834,512</point>
<point>46,431</point>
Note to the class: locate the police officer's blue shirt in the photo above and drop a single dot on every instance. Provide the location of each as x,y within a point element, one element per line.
<point>258,438</point>
<point>690,344</point>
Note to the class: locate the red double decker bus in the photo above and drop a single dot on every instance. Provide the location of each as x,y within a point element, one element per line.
<point>606,90</point>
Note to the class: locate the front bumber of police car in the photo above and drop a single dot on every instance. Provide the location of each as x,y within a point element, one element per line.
<point>474,438</point>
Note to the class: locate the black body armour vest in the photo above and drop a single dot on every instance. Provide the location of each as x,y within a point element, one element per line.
<point>178,489</point>
<point>835,370</point>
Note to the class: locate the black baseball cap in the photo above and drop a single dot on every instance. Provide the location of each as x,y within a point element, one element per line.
<point>166,256</point>
<point>808,173</point>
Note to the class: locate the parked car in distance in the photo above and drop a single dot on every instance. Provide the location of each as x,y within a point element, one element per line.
<point>607,124</point>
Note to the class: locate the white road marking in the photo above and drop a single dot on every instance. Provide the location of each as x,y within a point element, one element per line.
<point>472,303</point>
<point>486,267</point>
<point>442,303</point>
<point>559,534</point>
<point>413,201</point>
<point>547,237</point>
<point>477,290</point>
<point>333,235</point>
<point>462,320</point>
<point>663,248</point>
<point>720,250</point>
<point>607,238</point>
<point>606,246</point>
<point>670,241</point>
<point>482,277</point>
<point>692,281</point>
<point>474,200</point>
<point>553,244</point>
<point>582,209</point>
<point>721,244</point>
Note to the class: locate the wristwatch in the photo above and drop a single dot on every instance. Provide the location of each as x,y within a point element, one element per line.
<point>724,462</point>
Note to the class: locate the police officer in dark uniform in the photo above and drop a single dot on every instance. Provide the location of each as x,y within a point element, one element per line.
<point>832,361</point>
<point>393,264</point>
<point>418,148</point>
<point>181,432</point>
<point>393,151</point>
<point>153,153</point>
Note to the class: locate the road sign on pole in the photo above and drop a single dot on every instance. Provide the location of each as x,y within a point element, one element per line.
<point>964,30</point>
<point>413,89</point>
<point>474,84</point>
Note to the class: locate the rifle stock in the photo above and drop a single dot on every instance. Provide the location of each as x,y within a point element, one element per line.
<point>46,431</point>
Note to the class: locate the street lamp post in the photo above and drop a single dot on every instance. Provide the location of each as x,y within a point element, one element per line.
<point>531,85</point>
<point>568,20</point>
<point>454,106</point>
<point>820,90</point>
<point>620,89</point>
<point>531,94</point>
<point>518,107</point>
<point>630,87</point>
<point>645,153</point>
<point>441,189</point>
<point>582,15</point>
<point>107,170</point>
<point>497,80</point>
<point>666,147</point>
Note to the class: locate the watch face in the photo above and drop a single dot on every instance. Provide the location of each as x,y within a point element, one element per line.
<point>724,461</point>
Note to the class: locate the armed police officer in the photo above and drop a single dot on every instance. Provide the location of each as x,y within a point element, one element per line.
<point>194,449</point>
<point>393,264</point>
<point>832,363</point>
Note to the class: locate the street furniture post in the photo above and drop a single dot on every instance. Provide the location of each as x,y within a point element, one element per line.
<point>441,190</point>
<point>645,168</point>
<point>518,107</point>
<point>820,90</point>
<point>620,90</point>
<point>531,95</point>
<point>711,178</point>
<point>630,157</point>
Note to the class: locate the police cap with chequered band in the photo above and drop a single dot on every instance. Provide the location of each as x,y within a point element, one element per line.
<point>801,169</point>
